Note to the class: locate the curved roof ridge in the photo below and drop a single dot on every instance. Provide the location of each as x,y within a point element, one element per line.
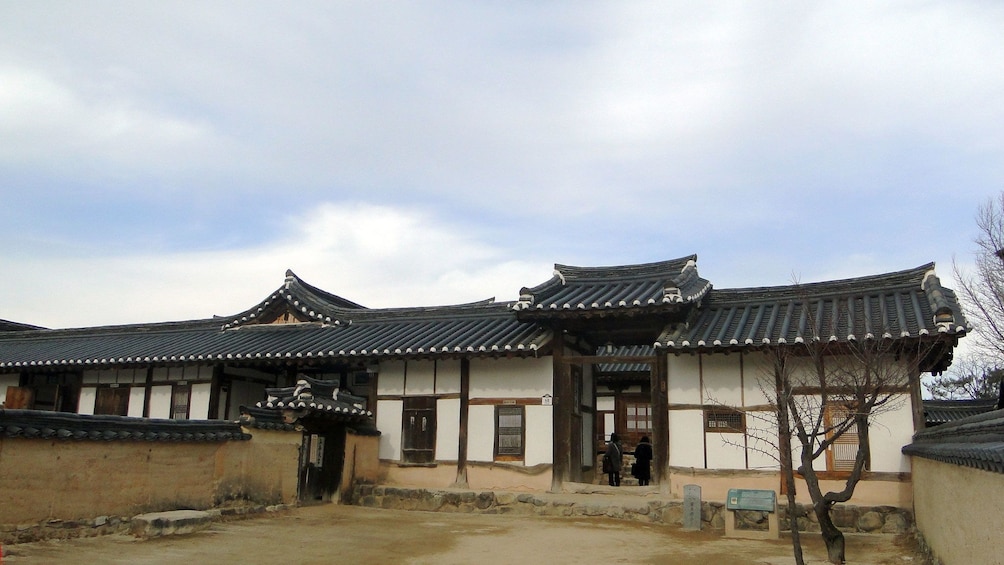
<point>914,277</point>
<point>336,300</point>
<point>487,305</point>
<point>314,303</point>
<point>639,270</point>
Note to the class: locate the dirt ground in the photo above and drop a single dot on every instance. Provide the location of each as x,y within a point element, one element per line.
<point>348,534</point>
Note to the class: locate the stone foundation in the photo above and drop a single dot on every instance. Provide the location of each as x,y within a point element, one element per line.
<point>105,525</point>
<point>639,508</point>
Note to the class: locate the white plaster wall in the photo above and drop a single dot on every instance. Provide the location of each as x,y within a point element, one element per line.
<point>722,382</point>
<point>539,432</point>
<point>609,423</point>
<point>420,378</point>
<point>761,428</point>
<point>199,408</point>
<point>511,378</point>
<point>686,438</point>
<point>389,415</point>
<point>390,380</point>
<point>137,400</point>
<point>684,379</point>
<point>758,379</point>
<point>6,381</point>
<point>888,432</point>
<point>88,398</point>
<point>605,403</point>
<point>160,401</point>
<point>726,451</point>
<point>481,433</point>
<point>447,429</point>
<point>448,376</point>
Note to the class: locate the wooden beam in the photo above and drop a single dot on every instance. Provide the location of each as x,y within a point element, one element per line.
<point>561,413</point>
<point>660,420</point>
<point>596,359</point>
<point>465,394</point>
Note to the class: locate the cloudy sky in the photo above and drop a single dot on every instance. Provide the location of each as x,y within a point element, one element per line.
<point>164,161</point>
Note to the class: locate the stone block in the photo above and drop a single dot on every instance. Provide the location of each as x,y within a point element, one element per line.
<point>505,498</point>
<point>895,523</point>
<point>870,522</point>
<point>176,522</point>
<point>485,500</point>
<point>672,514</point>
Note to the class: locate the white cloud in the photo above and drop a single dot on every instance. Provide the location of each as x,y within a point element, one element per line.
<point>59,128</point>
<point>376,256</point>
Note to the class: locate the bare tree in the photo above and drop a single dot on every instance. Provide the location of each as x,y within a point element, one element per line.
<point>982,290</point>
<point>828,399</point>
<point>824,396</point>
<point>971,377</point>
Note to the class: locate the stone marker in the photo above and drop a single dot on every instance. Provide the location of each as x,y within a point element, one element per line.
<point>691,507</point>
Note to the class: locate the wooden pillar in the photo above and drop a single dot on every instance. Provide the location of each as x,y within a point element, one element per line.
<point>916,398</point>
<point>561,411</point>
<point>465,398</point>
<point>660,419</point>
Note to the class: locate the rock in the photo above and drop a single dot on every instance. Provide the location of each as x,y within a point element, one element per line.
<point>895,524</point>
<point>870,522</point>
<point>485,500</point>
<point>176,522</point>
<point>505,498</point>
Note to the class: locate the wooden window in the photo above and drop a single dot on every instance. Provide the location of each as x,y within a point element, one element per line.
<point>509,432</point>
<point>181,400</point>
<point>638,417</point>
<point>112,401</point>
<point>843,451</point>
<point>724,420</point>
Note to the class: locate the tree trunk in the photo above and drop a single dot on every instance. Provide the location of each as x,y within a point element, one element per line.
<point>832,536</point>
<point>784,451</point>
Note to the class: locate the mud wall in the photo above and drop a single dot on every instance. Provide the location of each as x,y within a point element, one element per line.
<point>958,511</point>
<point>70,480</point>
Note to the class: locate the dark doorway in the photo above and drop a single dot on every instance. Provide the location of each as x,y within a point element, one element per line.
<point>418,434</point>
<point>321,459</point>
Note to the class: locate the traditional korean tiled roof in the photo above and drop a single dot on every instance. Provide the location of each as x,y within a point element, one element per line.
<point>937,412</point>
<point>625,369</point>
<point>649,287</point>
<point>8,326</point>
<point>976,441</point>
<point>483,328</point>
<point>309,303</point>
<point>318,399</point>
<point>904,304</point>
<point>35,424</point>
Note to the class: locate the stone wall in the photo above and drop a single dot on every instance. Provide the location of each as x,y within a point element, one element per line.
<point>639,508</point>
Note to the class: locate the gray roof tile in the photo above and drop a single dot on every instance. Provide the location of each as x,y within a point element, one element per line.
<point>648,287</point>
<point>897,305</point>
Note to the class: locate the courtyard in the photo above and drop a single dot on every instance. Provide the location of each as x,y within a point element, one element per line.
<point>350,534</point>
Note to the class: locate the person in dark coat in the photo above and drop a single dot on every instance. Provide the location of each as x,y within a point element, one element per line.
<point>615,454</point>
<point>642,458</point>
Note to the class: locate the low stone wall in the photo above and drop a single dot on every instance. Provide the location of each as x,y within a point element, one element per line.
<point>104,525</point>
<point>640,508</point>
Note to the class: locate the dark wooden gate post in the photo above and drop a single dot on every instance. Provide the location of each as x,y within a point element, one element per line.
<point>465,397</point>
<point>561,414</point>
<point>660,418</point>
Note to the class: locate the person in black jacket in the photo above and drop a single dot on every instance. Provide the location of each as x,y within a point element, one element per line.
<point>642,458</point>
<point>614,458</point>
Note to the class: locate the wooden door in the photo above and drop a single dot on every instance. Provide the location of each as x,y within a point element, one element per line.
<point>112,401</point>
<point>19,398</point>
<point>418,435</point>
